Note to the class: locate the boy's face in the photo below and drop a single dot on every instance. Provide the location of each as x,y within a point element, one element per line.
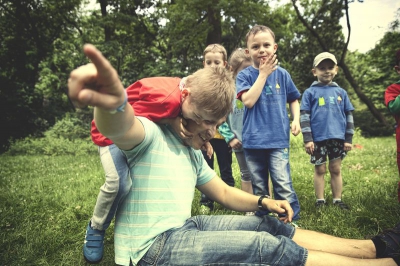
<point>212,59</point>
<point>205,122</point>
<point>201,134</point>
<point>260,45</point>
<point>325,71</point>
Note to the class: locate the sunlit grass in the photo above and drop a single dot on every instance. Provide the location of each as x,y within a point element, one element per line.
<point>46,202</point>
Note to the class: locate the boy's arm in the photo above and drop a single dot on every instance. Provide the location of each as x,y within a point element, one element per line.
<point>295,110</point>
<point>349,128</point>
<point>267,66</point>
<point>305,124</point>
<point>394,106</point>
<point>97,84</point>
<point>229,136</point>
<point>238,200</point>
<point>226,132</point>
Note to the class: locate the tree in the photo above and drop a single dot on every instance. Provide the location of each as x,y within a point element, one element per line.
<point>322,21</point>
<point>27,39</point>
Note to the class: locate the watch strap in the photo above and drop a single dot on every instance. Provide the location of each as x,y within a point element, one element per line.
<point>260,206</point>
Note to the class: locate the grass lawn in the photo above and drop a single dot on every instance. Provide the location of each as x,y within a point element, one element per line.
<point>46,202</point>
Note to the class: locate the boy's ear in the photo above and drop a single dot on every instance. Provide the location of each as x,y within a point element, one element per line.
<point>225,63</point>
<point>314,72</point>
<point>246,51</point>
<point>397,68</point>
<point>185,93</point>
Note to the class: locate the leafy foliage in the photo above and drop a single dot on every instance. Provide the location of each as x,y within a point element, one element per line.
<point>42,42</point>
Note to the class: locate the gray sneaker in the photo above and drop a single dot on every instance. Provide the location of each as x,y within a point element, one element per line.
<point>320,204</point>
<point>341,205</point>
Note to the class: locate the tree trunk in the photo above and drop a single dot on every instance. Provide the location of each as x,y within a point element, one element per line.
<point>362,96</point>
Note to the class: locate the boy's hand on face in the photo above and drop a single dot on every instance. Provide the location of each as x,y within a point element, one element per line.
<point>96,84</point>
<point>268,64</point>
<point>178,125</point>
<point>309,146</point>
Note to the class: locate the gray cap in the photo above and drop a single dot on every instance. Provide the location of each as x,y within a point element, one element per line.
<point>322,56</point>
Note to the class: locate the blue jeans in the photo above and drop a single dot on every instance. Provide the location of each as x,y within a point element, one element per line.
<point>227,240</point>
<point>116,187</point>
<point>263,163</point>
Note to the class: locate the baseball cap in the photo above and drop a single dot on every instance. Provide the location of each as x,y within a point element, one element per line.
<point>322,56</point>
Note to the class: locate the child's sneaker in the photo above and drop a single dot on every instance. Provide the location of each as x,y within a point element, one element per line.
<point>93,247</point>
<point>341,205</point>
<point>320,203</point>
<point>387,243</point>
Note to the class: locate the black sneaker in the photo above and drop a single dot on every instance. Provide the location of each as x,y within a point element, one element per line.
<point>387,243</point>
<point>341,205</point>
<point>320,203</point>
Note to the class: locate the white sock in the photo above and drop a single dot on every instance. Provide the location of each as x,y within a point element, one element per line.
<point>335,200</point>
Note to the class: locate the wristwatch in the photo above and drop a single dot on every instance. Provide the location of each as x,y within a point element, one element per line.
<point>260,206</point>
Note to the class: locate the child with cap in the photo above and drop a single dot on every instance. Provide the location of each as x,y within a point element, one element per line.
<point>327,125</point>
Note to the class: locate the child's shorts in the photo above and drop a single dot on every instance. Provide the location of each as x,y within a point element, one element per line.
<point>333,148</point>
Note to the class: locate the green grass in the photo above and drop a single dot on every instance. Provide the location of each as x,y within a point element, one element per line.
<point>46,202</point>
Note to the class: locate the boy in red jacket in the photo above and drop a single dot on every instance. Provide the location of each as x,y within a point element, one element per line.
<point>392,101</point>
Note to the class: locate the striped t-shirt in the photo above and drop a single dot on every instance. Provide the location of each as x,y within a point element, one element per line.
<point>164,174</point>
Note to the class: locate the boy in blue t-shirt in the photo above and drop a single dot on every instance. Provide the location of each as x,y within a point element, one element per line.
<point>327,126</point>
<point>265,89</point>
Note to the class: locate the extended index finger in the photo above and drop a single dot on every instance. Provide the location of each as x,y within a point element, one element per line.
<point>97,58</point>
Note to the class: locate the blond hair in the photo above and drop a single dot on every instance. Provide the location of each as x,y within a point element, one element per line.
<point>216,48</point>
<point>212,89</point>
<point>236,60</point>
<point>259,28</point>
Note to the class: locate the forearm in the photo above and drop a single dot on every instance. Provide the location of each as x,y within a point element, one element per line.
<point>250,97</point>
<point>240,201</point>
<point>305,125</point>
<point>295,110</point>
<point>114,126</point>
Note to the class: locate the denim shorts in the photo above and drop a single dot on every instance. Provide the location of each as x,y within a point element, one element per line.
<point>331,148</point>
<point>227,240</point>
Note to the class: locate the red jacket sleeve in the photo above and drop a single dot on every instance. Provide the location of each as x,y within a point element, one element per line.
<point>154,98</point>
<point>391,93</point>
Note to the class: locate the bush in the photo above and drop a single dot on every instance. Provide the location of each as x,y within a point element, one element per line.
<point>69,136</point>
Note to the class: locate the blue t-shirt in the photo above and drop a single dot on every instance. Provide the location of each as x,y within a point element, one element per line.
<point>164,174</point>
<point>266,124</point>
<point>327,105</point>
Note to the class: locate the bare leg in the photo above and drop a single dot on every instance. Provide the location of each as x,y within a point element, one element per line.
<point>336,178</point>
<point>319,181</point>
<point>328,259</point>
<point>341,246</point>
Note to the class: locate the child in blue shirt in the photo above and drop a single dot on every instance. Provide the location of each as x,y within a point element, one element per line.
<point>327,127</point>
<point>265,89</point>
